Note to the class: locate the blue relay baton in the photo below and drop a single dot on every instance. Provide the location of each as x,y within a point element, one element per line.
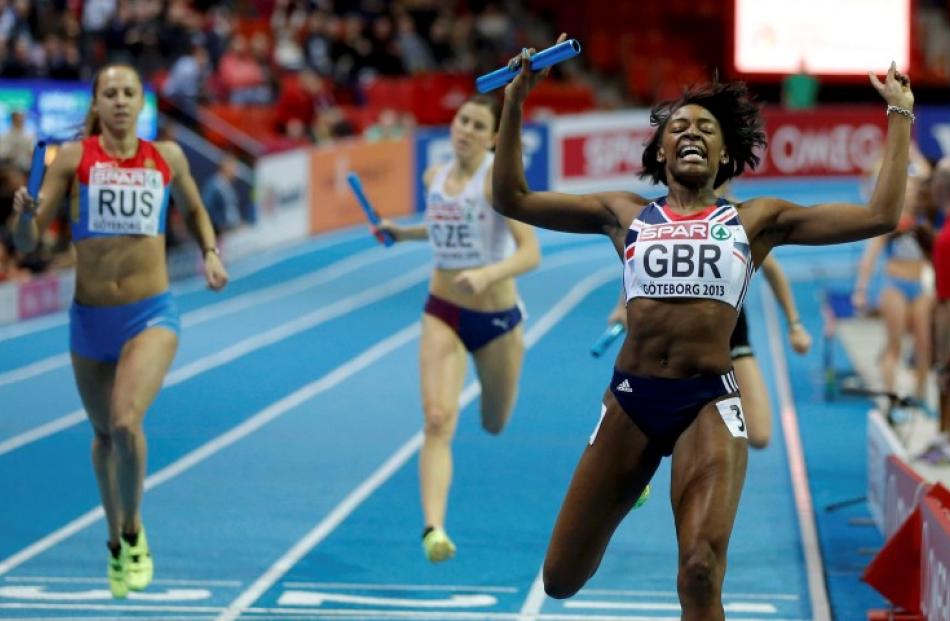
<point>356,185</point>
<point>541,60</point>
<point>611,334</point>
<point>37,169</point>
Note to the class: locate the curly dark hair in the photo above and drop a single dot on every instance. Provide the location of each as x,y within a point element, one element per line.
<point>738,115</point>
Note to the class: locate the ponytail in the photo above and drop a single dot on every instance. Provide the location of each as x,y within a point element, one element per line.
<point>91,125</point>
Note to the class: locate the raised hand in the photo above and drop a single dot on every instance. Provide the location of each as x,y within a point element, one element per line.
<point>519,88</point>
<point>24,204</point>
<point>895,89</point>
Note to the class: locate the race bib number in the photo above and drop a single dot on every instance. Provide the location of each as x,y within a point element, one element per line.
<point>731,412</point>
<point>453,233</point>
<point>125,201</point>
<point>691,259</point>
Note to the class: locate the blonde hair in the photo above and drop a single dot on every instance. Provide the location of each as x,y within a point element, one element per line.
<point>91,125</point>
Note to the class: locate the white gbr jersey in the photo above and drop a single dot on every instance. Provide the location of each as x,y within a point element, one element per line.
<point>703,255</point>
<point>464,230</point>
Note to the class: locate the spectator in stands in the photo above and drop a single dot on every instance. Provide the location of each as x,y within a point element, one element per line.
<point>413,50</point>
<point>220,196</point>
<point>241,76</point>
<point>332,124</point>
<point>16,146</point>
<point>187,81</point>
<point>288,55</point>
<point>316,43</point>
<point>263,55</point>
<point>384,57</point>
<point>61,58</point>
<point>299,101</point>
<point>218,35</point>
<point>939,450</point>
<point>388,126</point>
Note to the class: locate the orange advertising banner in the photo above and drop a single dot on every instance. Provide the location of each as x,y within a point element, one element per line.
<point>385,168</point>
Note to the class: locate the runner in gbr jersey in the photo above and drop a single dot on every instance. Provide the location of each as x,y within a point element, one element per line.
<point>123,322</point>
<point>472,308</point>
<point>687,261</point>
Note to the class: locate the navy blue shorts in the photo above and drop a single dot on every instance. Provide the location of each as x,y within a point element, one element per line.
<point>663,408</point>
<point>474,328</point>
<point>100,332</point>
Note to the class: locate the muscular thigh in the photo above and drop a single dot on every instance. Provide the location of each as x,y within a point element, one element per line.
<point>442,360</point>
<point>94,380</point>
<point>499,368</point>
<point>613,470</point>
<point>141,370</point>
<point>708,470</point>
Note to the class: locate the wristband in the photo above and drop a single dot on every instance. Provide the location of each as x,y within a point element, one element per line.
<point>901,111</point>
<point>795,324</point>
<point>214,249</point>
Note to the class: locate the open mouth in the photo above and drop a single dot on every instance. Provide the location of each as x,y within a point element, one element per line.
<point>691,153</point>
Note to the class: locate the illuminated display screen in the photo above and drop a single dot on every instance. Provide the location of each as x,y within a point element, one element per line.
<point>56,111</point>
<point>826,37</point>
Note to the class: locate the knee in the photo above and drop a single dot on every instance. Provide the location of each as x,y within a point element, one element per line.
<point>560,584</point>
<point>124,428</point>
<point>758,440</point>
<point>698,580</point>
<point>101,440</point>
<point>494,422</point>
<point>438,421</point>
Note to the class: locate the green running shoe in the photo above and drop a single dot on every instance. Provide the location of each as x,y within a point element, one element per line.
<point>137,562</point>
<point>116,576</point>
<point>437,545</point>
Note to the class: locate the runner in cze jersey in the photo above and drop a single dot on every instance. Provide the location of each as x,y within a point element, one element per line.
<point>687,262</point>
<point>123,323</point>
<point>472,307</point>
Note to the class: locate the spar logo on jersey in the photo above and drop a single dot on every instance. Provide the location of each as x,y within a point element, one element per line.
<point>720,232</point>
<point>676,232</point>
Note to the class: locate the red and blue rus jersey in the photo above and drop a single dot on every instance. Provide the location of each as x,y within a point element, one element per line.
<point>119,197</point>
<point>702,255</point>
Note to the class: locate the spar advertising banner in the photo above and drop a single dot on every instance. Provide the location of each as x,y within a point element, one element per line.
<point>433,147</point>
<point>601,151</point>
<point>823,142</point>
<point>933,131</point>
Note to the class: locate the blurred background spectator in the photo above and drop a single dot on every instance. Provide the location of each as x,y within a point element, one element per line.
<point>16,145</point>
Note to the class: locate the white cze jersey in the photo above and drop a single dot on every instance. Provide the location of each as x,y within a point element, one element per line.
<point>704,255</point>
<point>464,230</point>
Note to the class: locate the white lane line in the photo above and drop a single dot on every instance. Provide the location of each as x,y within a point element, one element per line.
<point>243,268</point>
<point>242,430</point>
<point>234,304</point>
<point>531,608</point>
<point>273,574</point>
<point>241,348</point>
<point>743,607</point>
<point>183,373</point>
<point>674,595</point>
<point>262,614</point>
<point>361,586</point>
<point>818,590</point>
<point>100,580</point>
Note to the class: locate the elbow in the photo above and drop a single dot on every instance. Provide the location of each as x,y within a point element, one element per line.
<point>534,257</point>
<point>885,224</point>
<point>504,203</point>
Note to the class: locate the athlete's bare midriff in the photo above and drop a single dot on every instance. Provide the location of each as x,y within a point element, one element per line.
<point>120,270</point>
<point>904,269</point>
<point>499,296</point>
<point>677,338</point>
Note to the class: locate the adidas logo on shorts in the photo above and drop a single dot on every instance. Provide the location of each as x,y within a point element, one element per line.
<point>624,386</point>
